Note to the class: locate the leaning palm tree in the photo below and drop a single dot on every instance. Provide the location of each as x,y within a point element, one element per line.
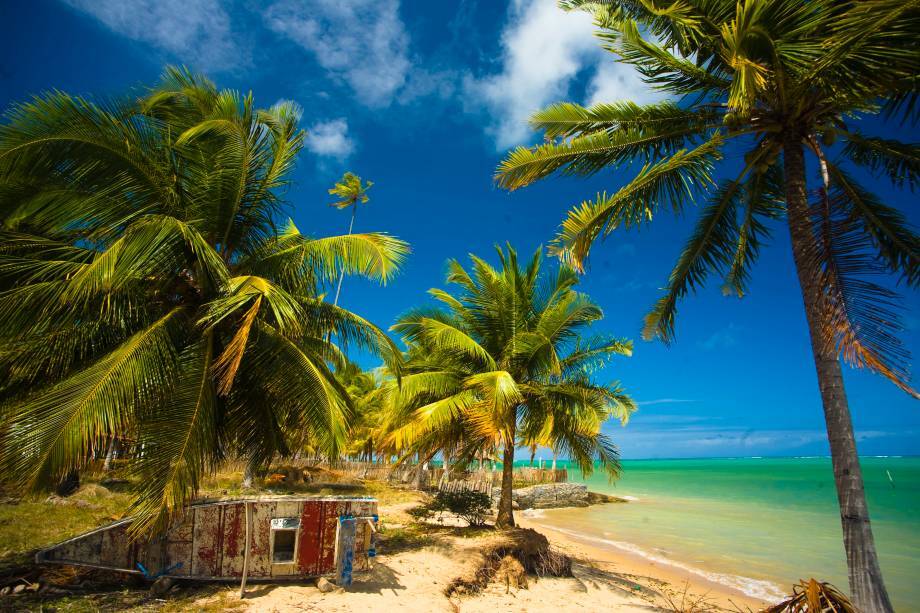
<point>777,78</point>
<point>145,288</point>
<point>510,360</point>
<point>350,192</point>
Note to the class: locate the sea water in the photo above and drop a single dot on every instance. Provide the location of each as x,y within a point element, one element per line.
<point>758,524</point>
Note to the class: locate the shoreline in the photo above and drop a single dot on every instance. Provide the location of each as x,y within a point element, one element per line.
<point>630,562</point>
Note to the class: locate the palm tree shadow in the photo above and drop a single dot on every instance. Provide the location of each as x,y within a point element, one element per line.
<point>589,575</point>
<point>262,590</point>
<point>380,578</point>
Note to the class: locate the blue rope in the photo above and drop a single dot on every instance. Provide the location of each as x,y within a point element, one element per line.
<point>165,571</point>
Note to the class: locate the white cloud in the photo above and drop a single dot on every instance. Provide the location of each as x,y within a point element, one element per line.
<point>725,338</point>
<point>614,81</point>
<point>362,42</point>
<point>647,403</point>
<point>330,139</point>
<point>670,439</point>
<point>194,32</point>
<point>544,50</point>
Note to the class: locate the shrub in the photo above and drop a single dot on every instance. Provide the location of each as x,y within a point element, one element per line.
<point>472,507</point>
<point>423,511</point>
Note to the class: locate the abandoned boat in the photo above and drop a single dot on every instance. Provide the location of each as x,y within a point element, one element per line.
<point>277,538</point>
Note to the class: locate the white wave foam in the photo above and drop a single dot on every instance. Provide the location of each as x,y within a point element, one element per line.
<point>755,588</point>
<point>532,513</point>
<point>630,498</point>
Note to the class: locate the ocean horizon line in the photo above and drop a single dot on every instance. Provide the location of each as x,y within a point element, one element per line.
<point>753,457</point>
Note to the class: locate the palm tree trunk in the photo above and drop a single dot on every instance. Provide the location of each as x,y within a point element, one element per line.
<point>247,476</point>
<point>109,456</point>
<point>445,475</point>
<point>865,577</point>
<point>421,470</point>
<point>351,225</point>
<point>505,517</point>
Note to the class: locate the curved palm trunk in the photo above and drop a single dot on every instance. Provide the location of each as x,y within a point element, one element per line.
<point>505,517</point>
<point>865,577</point>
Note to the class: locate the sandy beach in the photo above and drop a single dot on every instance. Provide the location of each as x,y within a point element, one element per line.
<point>416,579</point>
<point>669,579</point>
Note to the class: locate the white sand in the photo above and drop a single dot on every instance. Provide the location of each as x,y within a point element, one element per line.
<point>415,580</point>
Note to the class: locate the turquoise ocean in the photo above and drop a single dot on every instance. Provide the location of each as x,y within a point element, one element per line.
<point>758,524</point>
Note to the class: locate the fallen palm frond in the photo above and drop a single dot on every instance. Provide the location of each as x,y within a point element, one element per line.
<point>813,596</point>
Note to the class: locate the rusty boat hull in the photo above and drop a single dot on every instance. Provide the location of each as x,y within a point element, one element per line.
<point>291,538</point>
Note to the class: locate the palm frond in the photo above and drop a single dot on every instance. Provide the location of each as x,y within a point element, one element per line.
<point>896,242</point>
<point>862,316</point>
<point>710,248</point>
<point>180,439</point>
<point>58,429</point>
<point>671,181</point>
<point>612,142</point>
<point>899,161</point>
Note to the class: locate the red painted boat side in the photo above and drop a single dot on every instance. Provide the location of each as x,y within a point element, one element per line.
<point>208,541</point>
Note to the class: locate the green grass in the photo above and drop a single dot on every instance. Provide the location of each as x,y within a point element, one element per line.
<point>29,525</point>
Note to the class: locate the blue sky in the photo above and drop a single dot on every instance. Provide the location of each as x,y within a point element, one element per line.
<point>423,98</point>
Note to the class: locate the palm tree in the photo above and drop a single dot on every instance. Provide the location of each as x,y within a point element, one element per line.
<point>349,192</point>
<point>508,361</point>
<point>146,288</point>
<point>366,389</point>
<point>777,78</point>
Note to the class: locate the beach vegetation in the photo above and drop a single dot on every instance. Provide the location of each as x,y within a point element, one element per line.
<point>470,506</point>
<point>508,357</point>
<point>753,88</point>
<point>151,291</point>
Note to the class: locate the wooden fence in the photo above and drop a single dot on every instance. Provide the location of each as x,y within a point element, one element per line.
<point>486,481</point>
<point>482,480</point>
<point>522,474</point>
<point>484,487</point>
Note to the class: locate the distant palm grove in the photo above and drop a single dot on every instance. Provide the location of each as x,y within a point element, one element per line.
<point>156,296</point>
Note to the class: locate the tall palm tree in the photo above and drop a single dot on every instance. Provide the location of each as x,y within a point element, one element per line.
<point>777,78</point>
<point>509,360</point>
<point>146,288</point>
<point>350,192</point>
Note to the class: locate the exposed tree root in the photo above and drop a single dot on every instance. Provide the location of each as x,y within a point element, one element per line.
<point>509,558</point>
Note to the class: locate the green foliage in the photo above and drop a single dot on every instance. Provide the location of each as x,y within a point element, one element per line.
<point>508,361</point>
<point>147,293</point>
<point>472,507</point>
<point>761,74</point>
<point>350,191</point>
